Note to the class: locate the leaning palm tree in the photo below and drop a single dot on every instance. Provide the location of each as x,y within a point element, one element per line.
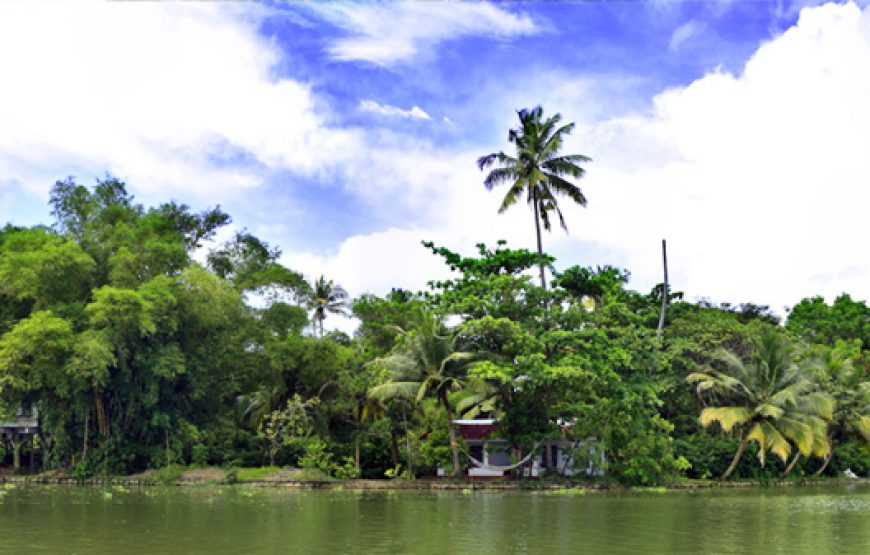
<point>537,170</point>
<point>426,364</point>
<point>769,399</point>
<point>326,297</point>
<point>836,373</point>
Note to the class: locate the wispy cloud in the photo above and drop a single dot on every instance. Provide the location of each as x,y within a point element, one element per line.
<point>393,111</point>
<point>685,33</point>
<point>389,33</point>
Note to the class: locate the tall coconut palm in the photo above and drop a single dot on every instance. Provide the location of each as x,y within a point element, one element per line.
<point>426,364</point>
<point>326,297</point>
<point>769,399</point>
<point>537,170</point>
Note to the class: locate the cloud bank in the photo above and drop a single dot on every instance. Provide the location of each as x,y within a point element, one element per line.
<point>166,95</point>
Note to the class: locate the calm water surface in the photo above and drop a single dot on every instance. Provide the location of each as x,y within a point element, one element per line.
<point>243,520</point>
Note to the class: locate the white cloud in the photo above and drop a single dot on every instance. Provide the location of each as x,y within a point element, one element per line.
<point>758,181</point>
<point>161,94</point>
<point>391,33</point>
<point>393,111</point>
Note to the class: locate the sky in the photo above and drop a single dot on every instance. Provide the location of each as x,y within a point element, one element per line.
<point>347,133</point>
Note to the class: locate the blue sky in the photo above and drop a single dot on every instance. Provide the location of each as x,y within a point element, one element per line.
<point>346,133</point>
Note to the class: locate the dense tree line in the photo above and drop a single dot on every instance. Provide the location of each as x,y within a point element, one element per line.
<point>138,356</point>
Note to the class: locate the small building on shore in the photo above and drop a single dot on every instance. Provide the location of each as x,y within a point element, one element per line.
<point>16,430</point>
<point>490,456</point>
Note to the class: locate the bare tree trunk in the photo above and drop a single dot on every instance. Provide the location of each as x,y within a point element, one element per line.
<point>356,452</point>
<point>540,246</point>
<point>102,419</point>
<point>824,464</point>
<point>791,464</point>
<point>743,442</point>
<point>664,294</point>
<point>454,446</point>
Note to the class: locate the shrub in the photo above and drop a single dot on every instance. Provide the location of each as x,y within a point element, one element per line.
<point>853,456</point>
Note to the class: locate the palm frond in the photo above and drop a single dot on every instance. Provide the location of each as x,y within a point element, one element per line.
<point>394,390</point>
<point>727,417</point>
<point>563,187</point>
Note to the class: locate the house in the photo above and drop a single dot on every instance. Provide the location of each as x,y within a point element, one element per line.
<point>18,429</point>
<point>490,456</point>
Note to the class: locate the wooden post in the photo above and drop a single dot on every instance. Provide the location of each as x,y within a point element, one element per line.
<point>16,441</point>
<point>665,290</point>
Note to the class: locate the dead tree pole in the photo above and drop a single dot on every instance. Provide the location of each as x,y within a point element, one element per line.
<point>664,294</point>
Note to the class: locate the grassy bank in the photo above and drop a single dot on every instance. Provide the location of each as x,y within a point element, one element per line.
<point>314,479</point>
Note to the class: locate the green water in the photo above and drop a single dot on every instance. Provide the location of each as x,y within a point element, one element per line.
<point>243,520</point>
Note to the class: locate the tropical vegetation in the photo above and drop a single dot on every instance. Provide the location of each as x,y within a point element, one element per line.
<point>139,343</point>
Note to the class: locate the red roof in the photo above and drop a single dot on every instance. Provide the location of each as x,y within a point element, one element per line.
<point>477,431</point>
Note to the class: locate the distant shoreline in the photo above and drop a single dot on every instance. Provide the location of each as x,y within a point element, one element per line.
<point>428,484</point>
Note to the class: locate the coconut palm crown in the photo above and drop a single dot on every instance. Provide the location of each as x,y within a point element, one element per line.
<point>326,297</point>
<point>537,170</point>
<point>769,399</point>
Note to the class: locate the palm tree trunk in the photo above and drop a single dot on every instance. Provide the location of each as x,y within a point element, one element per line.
<point>356,452</point>
<point>743,442</point>
<point>454,446</point>
<point>407,443</point>
<point>394,449</point>
<point>824,464</point>
<point>791,464</point>
<point>538,233</point>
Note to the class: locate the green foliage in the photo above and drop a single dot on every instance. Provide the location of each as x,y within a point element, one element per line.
<point>138,357</point>
<point>817,322</point>
<point>251,266</point>
<point>169,474</point>
<point>257,473</point>
<point>289,425</point>
<point>770,399</point>
<point>708,455</point>
<point>852,455</point>
<point>317,457</point>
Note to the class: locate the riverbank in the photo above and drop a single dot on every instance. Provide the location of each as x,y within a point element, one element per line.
<point>285,479</point>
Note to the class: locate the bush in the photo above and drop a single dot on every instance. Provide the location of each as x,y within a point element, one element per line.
<point>852,456</point>
<point>316,457</point>
<point>708,455</point>
<point>169,474</point>
<point>199,455</point>
<point>82,470</point>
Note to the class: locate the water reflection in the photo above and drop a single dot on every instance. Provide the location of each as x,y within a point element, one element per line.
<point>218,520</point>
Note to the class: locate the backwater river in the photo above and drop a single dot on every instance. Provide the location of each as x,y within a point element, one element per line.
<point>249,520</point>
